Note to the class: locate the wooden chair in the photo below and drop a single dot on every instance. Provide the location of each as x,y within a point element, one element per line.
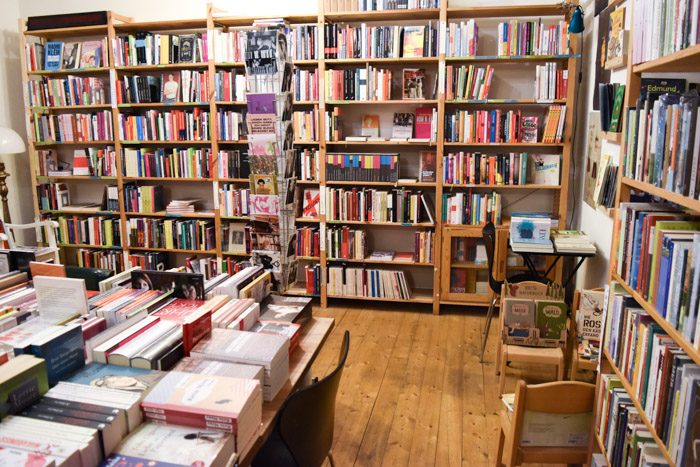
<point>578,363</point>
<point>49,228</point>
<point>558,398</point>
<point>521,354</point>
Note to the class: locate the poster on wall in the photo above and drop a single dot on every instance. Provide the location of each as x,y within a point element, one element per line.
<point>593,146</point>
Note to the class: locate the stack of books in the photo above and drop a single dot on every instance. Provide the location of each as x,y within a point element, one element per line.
<point>180,206</point>
<point>233,405</point>
<point>530,232</point>
<point>572,241</point>
<point>240,314</point>
<point>270,351</point>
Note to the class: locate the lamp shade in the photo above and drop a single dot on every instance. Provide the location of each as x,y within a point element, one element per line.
<point>576,22</point>
<point>10,141</point>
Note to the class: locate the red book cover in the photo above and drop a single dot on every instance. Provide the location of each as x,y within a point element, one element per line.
<point>424,121</point>
<point>195,321</point>
<point>185,419</point>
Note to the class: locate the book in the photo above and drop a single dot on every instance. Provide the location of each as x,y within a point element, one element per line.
<point>413,83</point>
<point>427,166</point>
<point>529,129</point>
<point>413,37</point>
<point>310,203</point>
<point>616,35</point>
<point>71,55</point>
<point>123,378</point>
<point>424,123</point>
<point>23,381</point>
<point>551,319</point>
<point>370,126</point>
<point>54,54</point>
<point>403,126</point>
<point>617,108</point>
<point>544,169</point>
<point>91,54</point>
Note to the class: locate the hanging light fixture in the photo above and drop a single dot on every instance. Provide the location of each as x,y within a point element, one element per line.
<point>576,21</point>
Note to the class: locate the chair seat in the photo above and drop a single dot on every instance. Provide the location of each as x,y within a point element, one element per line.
<point>535,355</point>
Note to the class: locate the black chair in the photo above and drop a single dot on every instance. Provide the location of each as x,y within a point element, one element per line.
<point>303,432</point>
<point>92,276</point>
<point>489,237</point>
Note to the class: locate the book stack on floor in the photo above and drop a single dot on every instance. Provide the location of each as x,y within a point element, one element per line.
<point>572,241</point>
<point>270,351</point>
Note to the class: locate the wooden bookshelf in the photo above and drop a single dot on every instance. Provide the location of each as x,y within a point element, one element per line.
<point>427,291</point>
<point>682,61</point>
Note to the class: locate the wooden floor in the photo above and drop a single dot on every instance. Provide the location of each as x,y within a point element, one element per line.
<point>413,392</point>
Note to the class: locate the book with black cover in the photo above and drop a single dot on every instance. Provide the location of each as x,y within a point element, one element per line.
<point>69,20</point>
<point>184,284</point>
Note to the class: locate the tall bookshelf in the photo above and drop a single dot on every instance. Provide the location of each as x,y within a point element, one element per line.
<point>682,61</point>
<point>430,281</point>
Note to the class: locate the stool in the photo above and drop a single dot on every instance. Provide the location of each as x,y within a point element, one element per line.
<point>534,355</point>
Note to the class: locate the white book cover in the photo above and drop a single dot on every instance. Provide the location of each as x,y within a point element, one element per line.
<point>60,298</point>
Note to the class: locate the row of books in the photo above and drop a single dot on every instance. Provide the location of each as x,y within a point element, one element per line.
<point>229,86</point>
<point>663,378</point>
<point>86,161</point>
<point>462,39</point>
<point>472,208</point>
<point>234,201</point>
<point>658,257</point>
<point>233,163</point>
<point>312,275</point>
<point>370,283</point>
<point>145,199</point>
<point>346,243</point>
<point>550,82</point>
<point>668,26</point>
<point>52,196</point>
<point>62,92</point>
<point>231,125</point>
<point>309,164</point>
<point>304,42</point>
<point>359,84</point>
<point>169,125</point>
<point>305,124</point>
<point>518,37</point>
<point>230,46</point>
<point>146,48</point>
<point>305,85</point>
<point>466,168</point>
<point>627,440</point>
<point>174,86</point>
<point>148,260</point>
<point>92,230</point>
<point>78,127</point>
<point>363,41</point>
<point>663,145</point>
<point>100,258</point>
<point>168,162</point>
<point>379,5</point>
<point>56,55</point>
<point>366,205</point>
<point>308,242</point>
<point>190,234</point>
<point>468,82</point>
<point>610,101</point>
<point>362,167</point>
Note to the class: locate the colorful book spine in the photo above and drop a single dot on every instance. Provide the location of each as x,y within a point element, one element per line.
<point>78,127</point>
<point>233,201</point>
<point>462,39</point>
<point>472,208</point>
<point>346,243</point>
<point>231,125</point>
<point>229,86</point>
<point>305,85</point>
<point>466,168</point>
<point>94,230</point>
<point>308,242</point>
<point>147,48</point>
<point>305,124</point>
<point>370,283</point>
<point>232,164</point>
<point>397,206</point>
<point>362,167</point>
<point>62,92</point>
<point>346,41</point>
<point>189,234</point>
<point>519,38</point>
<point>167,163</point>
<point>468,82</point>
<point>303,42</point>
<point>309,164</point>
<point>171,125</point>
<point>103,259</point>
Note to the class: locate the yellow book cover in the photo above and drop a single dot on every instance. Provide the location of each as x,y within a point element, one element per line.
<point>413,38</point>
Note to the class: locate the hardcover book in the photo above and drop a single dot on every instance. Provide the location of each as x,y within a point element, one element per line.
<point>529,129</point>
<point>544,169</point>
<point>370,126</point>
<point>617,108</point>
<point>311,203</point>
<point>413,37</point>
<point>91,54</point>
<point>187,48</point>
<point>424,123</point>
<point>403,125</point>
<point>170,88</point>
<point>519,316</point>
<point>71,55</point>
<point>427,166</point>
<point>413,79</point>
<point>54,54</point>
<point>551,319</point>
<point>23,380</point>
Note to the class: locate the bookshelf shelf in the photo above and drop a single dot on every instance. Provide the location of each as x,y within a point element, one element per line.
<point>386,102</point>
<point>361,183</point>
<point>165,66</point>
<point>676,198</point>
<point>167,143</point>
<point>417,296</point>
<point>230,65</point>
<point>361,61</point>
<point>52,144</point>
<point>241,103</point>
<point>167,179</point>
<point>309,258</point>
<point>173,250</point>
<point>308,182</point>
<point>383,15</point>
<point>381,143</point>
<point>683,60</point>
<point>74,178</point>
<point>175,105</point>
<point>305,102</point>
<point>379,261</point>
<point>307,142</point>
<point>307,220</point>
<point>510,58</point>
<point>640,409</point>
<point>170,25</point>
<point>305,63</point>
<point>468,265</point>
<point>78,212</point>
<point>381,224</point>
<point>687,347</point>
<point>505,101</point>
<point>97,30</point>
<point>509,145</point>
<point>84,245</point>
<point>234,253</point>
<point>248,20</point>
<point>184,215</point>
<point>75,71</point>
<point>299,289</point>
<point>235,218</point>
<point>234,180</point>
<point>502,187</point>
<point>52,108</point>
<point>610,136</point>
<point>553,9</point>
<point>233,141</point>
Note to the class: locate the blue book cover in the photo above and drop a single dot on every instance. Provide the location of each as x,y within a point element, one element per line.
<point>664,272</point>
<point>636,249</point>
<point>53,53</point>
<point>63,352</point>
<point>117,377</point>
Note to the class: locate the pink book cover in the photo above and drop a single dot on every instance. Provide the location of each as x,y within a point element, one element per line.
<point>424,120</point>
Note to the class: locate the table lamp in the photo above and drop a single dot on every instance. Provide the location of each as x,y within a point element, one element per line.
<point>10,143</point>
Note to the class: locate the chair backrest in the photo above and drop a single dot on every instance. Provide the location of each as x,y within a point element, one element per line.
<point>49,228</point>
<point>560,398</point>
<point>307,418</point>
<point>489,235</point>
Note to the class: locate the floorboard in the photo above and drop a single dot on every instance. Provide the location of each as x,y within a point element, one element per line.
<point>413,392</point>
